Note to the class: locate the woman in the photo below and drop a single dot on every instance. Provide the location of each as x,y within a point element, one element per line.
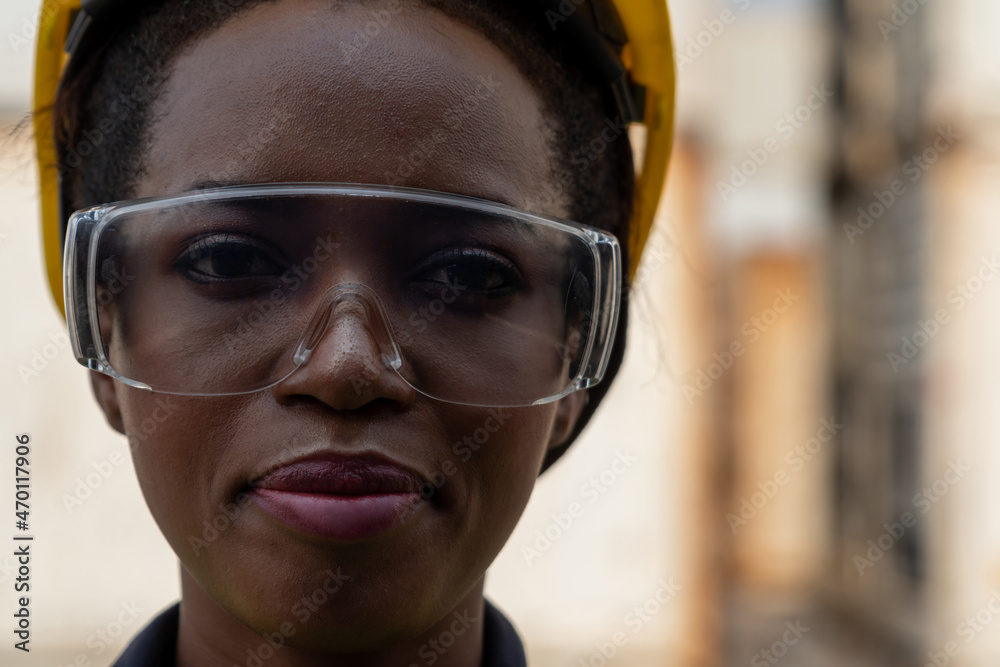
<point>358,384</point>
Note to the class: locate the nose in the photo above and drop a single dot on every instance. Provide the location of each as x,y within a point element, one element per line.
<point>347,357</point>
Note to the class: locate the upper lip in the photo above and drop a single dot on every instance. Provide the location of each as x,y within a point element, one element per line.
<point>341,474</point>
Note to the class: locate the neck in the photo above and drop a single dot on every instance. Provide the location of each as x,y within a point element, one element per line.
<point>208,636</point>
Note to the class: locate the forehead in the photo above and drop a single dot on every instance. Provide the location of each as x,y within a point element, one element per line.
<point>300,90</point>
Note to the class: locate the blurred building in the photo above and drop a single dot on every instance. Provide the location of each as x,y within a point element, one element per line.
<point>849,147</point>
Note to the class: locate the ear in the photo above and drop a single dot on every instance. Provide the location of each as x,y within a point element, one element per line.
<point>104,392</point>
<point>568,410</point>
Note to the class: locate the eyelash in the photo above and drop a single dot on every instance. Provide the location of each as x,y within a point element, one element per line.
<point>474,258</point>
<point>480,267</point>
<point>204,247</point>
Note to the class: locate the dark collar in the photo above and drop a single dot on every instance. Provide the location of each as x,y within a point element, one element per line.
<point>155,644</point>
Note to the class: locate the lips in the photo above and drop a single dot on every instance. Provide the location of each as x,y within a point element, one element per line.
<point>340,497</point>
<point>341,475</point>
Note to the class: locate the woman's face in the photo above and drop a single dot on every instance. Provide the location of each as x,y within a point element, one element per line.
<point>300,91</point>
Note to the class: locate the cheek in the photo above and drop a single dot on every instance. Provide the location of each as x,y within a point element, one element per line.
<point>179,450</point>
<point>503,451</point>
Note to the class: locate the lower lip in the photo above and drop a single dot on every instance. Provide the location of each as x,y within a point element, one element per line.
<point>338,517</point>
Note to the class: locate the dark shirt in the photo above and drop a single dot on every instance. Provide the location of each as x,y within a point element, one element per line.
<point>155,644</point>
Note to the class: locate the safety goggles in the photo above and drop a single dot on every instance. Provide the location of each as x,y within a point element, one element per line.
<point>230,290</point>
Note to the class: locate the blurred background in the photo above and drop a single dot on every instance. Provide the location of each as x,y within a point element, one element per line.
<point>798,464</point>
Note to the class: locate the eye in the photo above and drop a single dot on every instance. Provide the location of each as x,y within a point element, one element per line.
<point>227,257</point>
<point>472,270</point>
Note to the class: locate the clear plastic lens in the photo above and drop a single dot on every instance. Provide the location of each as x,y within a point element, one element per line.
<point>229,291</point>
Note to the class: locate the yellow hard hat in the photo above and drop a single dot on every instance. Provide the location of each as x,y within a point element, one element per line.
<point>631,46</point>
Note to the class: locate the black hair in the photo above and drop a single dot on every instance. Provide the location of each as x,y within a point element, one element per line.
<point>102,115</point>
